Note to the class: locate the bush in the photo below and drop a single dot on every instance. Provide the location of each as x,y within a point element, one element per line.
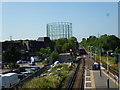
<point>45,62</point>
<point>50,81</point>
<point>12,65</point>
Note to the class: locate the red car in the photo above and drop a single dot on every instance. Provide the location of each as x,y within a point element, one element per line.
<point>16,70</point>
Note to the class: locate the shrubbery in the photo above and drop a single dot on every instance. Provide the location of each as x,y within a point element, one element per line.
<point>51,80</point>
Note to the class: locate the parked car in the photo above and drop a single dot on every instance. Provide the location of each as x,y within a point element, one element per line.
<point>31,63</point>
<point>21,76</point>
<point>35,68</point>
<point>21,61</point>
<point>16,70</point>
<point>26,74</point>
<point>22,69</point>
<point>9,71</point>
<point>31,71</point>
<point>36,59</point>
<point>43,74</point>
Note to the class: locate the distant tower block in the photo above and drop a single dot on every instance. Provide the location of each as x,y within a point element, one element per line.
<point>58,30</point>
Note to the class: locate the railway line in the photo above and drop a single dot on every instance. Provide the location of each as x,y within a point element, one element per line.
<point>77,80</point>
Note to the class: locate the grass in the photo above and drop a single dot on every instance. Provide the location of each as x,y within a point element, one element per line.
<point>53,80</point>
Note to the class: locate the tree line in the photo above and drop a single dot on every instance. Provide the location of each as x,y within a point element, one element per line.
<point>62,45</point>
<point>102,44</point>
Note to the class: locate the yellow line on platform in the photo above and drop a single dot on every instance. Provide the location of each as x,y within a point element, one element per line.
<point>92,79</point>
<point>111,78</point>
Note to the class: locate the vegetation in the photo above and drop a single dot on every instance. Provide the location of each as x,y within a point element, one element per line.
<point>107,42</point>
<point>103,44</point>
<point>64,45</point>
<point>54,56</point>
<point>12,54</point>
<point>44,53</point>
<point>54,79</point>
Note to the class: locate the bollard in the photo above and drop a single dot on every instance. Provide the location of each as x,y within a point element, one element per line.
<point>107,83</point>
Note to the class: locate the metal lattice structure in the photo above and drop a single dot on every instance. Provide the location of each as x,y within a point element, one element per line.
<point>58,30</point>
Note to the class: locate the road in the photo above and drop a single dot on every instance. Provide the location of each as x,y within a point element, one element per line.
<point>94,80</point>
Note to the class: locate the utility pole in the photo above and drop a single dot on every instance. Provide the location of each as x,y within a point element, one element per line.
<point>108,67</point>
<point>10,38</point>
<point>100,64</point>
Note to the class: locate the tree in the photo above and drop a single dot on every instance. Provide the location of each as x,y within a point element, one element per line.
<point>108,42</point>
<point>66,47</point>
<point>58,48</point>
<point>54,56</point>
<point>44,52</point>
<point>64,44</point>
<point>11,54</point>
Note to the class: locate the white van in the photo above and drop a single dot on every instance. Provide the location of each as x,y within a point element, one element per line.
<point>8,80</point>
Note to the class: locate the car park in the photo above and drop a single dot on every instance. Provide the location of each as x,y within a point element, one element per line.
<point>36,59</point>
<point>21,76</point>
<point>35,68</point>
<point>31,71</point>
<point>21,61</point>
<point>31,63</point>
<point>9,71</point>
<point>16,71</point>
<point>26,74</point>
<point>22,69</point>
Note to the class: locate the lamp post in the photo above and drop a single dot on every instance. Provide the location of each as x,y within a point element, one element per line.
<point>71,54</point>
<point>100,64</point>
<point>75,47</point>
<point>118,54</point>
<point>91,51</point>
<point>108,68</point>
<point>101,51</point>
<point>95,54</point>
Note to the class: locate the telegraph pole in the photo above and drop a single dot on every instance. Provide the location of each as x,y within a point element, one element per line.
<point>10,38</point>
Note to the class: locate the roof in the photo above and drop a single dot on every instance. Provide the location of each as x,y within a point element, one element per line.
<point>43,39</point>
<point>8,74</point>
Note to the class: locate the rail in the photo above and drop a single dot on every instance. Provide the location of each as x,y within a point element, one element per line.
<point>73,79</point>
<point>82,81</point>
<point>70,86</point>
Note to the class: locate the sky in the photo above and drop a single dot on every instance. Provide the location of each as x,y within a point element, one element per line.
<point>27,20</point>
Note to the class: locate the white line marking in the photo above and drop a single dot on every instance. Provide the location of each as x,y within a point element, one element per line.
<point>88,81</point>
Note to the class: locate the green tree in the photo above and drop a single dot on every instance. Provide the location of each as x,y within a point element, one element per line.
<point>108,42</point>
<point>11,54</point>
<point>66,47</point>
<point>117,50</point>
<point>44,52</point>
<point>64,44</point>
<point>54,56</point>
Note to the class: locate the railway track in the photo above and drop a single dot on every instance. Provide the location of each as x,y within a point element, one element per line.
<point>77,80</point>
